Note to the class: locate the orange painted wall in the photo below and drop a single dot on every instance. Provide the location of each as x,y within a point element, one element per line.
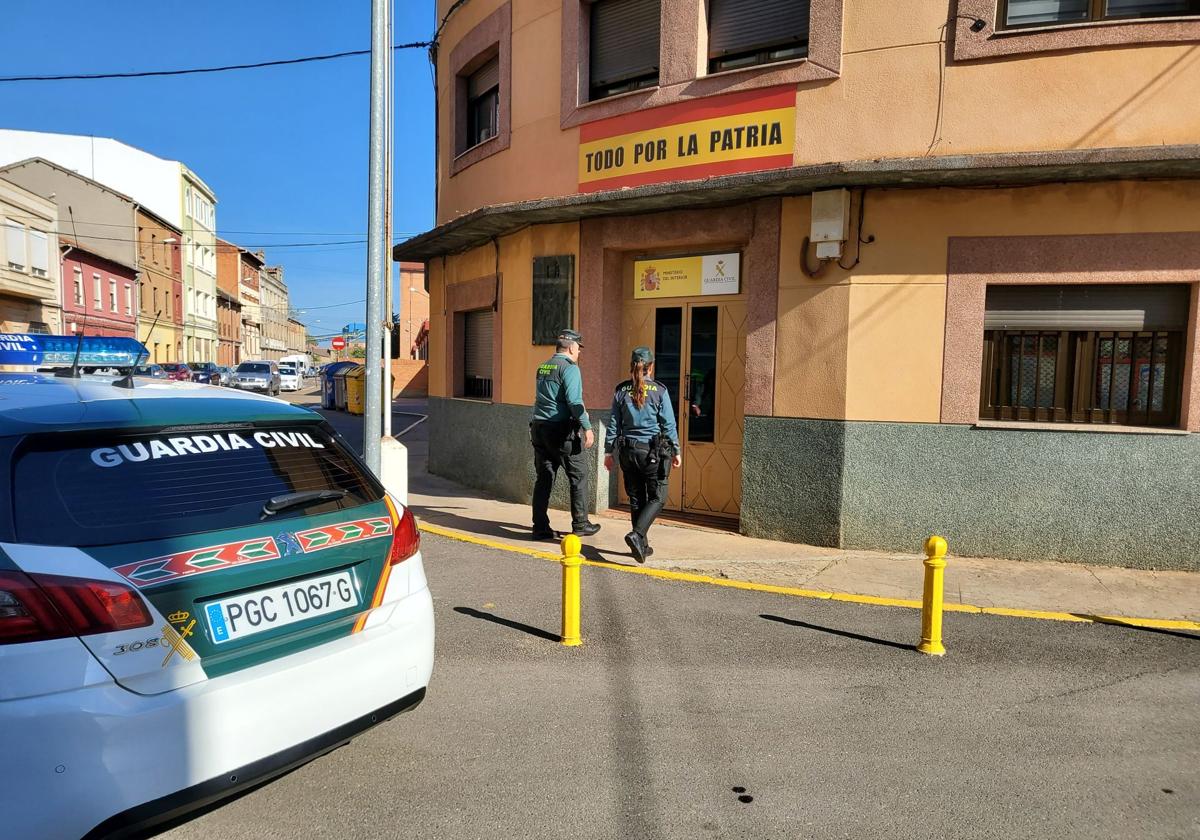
<point>866,344</point>
<point>519,356</point>
<point>885,104</point>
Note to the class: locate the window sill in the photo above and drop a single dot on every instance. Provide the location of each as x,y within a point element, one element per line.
<point>733,73</point>
<point>480,151</point>
<point>629,94</point>
<point>1091,428</point>
<point>1090,24</point>
<point>1028,40</point>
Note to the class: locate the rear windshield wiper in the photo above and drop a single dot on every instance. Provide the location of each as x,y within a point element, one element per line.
<point>285,501</point>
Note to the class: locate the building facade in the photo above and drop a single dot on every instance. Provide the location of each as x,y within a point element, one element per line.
<point>30,294</point>
<point>297,338</point>
<point>99,295</point>
<point>160,261</point>
<point>893,286</point>
<point>274,310</point>
<point>250,270</point>
<point>200,338</point>
<point>412,301</point>
<point>167,188</point>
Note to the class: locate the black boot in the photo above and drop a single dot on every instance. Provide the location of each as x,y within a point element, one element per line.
<point>587,529</point>
<point>636,545</point>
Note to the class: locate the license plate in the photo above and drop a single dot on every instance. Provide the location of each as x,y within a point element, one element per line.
<point>279,606</point>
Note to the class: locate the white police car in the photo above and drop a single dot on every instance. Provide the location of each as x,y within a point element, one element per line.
<point>199,590</point>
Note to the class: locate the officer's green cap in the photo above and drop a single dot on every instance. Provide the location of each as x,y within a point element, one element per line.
<point>571,335</point>
<point>643,355</point>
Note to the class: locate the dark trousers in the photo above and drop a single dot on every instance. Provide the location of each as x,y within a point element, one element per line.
<point>645,484</point>
<point>554,446</point>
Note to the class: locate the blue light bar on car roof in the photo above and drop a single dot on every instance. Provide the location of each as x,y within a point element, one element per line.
<point>60,350</point>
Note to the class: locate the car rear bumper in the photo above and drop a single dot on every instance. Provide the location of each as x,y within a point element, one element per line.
<point>102,760</point>
<point>134,821</point>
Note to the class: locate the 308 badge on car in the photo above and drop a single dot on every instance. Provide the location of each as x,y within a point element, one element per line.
<point>265,609</point>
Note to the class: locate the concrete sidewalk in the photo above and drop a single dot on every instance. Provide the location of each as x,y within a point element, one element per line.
<point>990,583</point>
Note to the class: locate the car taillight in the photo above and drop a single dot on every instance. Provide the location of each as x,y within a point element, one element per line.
<point>406,539</point>
<point>39,607</point>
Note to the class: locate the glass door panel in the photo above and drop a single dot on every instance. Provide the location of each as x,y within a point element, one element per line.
<point>668,349</point>
<point>702,375</point>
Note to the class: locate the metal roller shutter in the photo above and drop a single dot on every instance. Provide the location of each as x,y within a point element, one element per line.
<point>624,40</point>
<point>477,344</point>
<point>736,26</point>
<point>1108,307</point>
<point>484,79</point>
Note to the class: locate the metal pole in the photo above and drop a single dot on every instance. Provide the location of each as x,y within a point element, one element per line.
<point>377,244</point>
<point>387,216</point>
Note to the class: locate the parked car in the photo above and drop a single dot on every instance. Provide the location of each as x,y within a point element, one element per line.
<point>226,376</point>
<point>156,616</point>
<point>289,377</point>
<point>257,376</point>
<point>206,372</point>
<point>153,371</point>
<point>177,371</point>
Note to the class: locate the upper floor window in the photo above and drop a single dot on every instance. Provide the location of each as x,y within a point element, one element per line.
<point>746,33</point>
<point>97,292</point>
<point>39,253</point>
<point>78,287</point>
<point>623,46</point>
<point>483,103</point>
<point>112,294</point>
<point>1017,13</point>
<point>14,238</point>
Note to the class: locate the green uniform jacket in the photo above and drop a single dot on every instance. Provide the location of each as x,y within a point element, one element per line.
<point>559,392</point>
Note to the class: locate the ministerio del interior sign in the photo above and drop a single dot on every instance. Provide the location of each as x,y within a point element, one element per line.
<point>710,274</point>
<point>718,135</point>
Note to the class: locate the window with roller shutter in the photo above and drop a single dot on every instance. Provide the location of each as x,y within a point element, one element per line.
<point>1084,354</point>
<point>1015,14</point>
<point>483,103</point>
<point>623,46</point>
<point>477,353</point>
<point>746,33</point>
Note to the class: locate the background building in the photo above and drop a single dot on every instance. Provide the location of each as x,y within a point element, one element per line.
<point>167,188</point>
<point>99,295</point>
<point>250,270</point>
<point>297,338</point>
<point>160,262</point>
<point>199,269</point>
<point>894,281</point>
<point>412,299</point>
<point>30,295</point>
<point>274,309</point>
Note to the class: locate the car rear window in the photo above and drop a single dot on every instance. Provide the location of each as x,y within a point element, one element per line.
<point>103,489</point>
<point>253,367</point>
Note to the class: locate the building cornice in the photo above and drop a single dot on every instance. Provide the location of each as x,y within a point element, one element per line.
<point>993,169</point>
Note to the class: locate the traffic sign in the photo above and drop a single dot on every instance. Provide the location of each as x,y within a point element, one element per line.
<point>338,342</point>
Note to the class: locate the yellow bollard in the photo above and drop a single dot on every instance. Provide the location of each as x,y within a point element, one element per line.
<point>571,561</point>
<point>931,607</point>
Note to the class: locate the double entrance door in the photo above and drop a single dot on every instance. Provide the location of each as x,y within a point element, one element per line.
<point>699,350</point>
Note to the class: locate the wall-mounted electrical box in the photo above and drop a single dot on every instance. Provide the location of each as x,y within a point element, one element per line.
<point>830,222</point>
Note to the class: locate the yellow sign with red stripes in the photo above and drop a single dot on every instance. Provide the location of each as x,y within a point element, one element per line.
<point>741,132</point>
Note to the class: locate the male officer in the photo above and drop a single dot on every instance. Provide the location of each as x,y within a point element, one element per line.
<point>560,432</point>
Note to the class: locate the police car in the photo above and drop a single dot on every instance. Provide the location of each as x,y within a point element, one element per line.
<point>199,590</point>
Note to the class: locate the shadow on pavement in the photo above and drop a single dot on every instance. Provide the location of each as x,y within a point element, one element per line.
<point>1116,622</point>
<point>845,633</point>
<point>508,622</point>
<point>438,515</point>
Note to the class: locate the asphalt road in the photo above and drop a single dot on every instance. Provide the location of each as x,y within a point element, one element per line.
<point>693,711</point>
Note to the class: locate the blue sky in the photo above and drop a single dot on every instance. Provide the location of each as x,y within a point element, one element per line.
<point>284,148</point>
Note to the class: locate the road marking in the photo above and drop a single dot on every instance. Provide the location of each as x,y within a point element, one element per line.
<point>411,426</point>
<point>820,594</point>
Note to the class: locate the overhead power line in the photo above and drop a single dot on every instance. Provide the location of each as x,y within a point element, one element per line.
<point>143,74</point>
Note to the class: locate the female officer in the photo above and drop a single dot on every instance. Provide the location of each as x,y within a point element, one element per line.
<point>641,430</point>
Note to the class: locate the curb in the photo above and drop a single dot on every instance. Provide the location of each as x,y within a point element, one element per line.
<point>819,594</point>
